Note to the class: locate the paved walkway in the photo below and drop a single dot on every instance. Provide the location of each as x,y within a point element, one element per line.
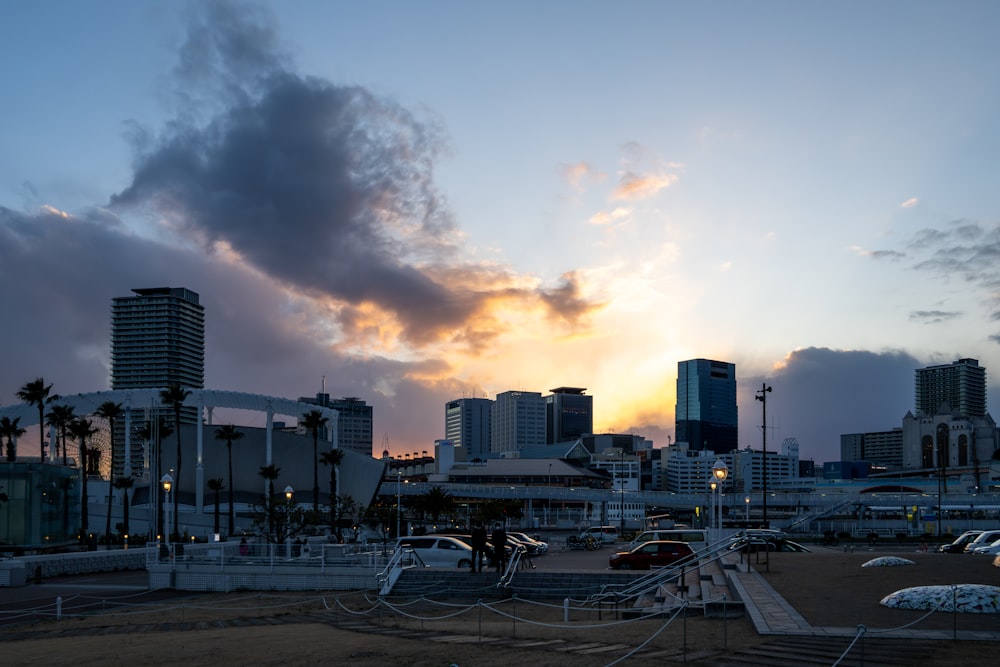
<point>771,615</point>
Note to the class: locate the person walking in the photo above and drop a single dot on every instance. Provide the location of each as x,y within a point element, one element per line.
<point>499,538</point>
<point>479,546</point>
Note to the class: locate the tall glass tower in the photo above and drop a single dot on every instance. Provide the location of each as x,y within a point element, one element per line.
<point>467,425</point>
<point>705,414</point>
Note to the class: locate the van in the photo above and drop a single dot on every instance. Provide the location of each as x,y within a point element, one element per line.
<point>698,539</point>
<point>982,539</point>
<point>602,534</point>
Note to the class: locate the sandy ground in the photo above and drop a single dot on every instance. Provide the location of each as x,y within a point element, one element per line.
<point>828,587</point>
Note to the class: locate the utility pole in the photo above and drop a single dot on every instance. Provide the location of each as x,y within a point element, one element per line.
<point>762,397</point>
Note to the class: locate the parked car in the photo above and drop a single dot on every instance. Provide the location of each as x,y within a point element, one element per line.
<point>438,550</point>
<point>657,553</point>
<point>958,546</point>
<point>696,537</point>
<point>602,534</point>
<point>535,546</point>
<point>982,539</point>
<point>755,544</point>
<point>991,549</point>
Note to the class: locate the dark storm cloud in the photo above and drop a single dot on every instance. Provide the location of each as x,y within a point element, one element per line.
<point>819,394</point>
<point>327,189</point>
<point>934,316</point>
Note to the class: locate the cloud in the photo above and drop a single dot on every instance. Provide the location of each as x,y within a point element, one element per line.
<point>610,217</point>
<point>633,186</point>
<point>910,203</point>
<point>305,214</point>
<point>579,174</point>
<point>820,393</point>
<point>934,316</point>
<point>327,189</point>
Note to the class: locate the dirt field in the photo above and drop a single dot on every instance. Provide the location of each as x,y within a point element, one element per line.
<point>827,587</point>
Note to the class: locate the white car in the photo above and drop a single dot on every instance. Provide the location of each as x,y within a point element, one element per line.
<point>991,549</point>
<point>534,546</point>
<point>438,550</point>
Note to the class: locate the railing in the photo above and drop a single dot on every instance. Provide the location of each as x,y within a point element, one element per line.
<point>643,585</point>
<point>223,555</point>
<point>401,560</point>
<point>512,566</point>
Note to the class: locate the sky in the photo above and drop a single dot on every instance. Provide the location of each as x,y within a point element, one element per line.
<point>411,202</point>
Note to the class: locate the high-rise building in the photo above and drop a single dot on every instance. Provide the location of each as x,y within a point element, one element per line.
<point>354,421</point>
<point>157,339</point>
<point>517,421</point>
<point>960,386</point>
<point>705,414</point>
<point>467,425</point>
<point>569,413</point>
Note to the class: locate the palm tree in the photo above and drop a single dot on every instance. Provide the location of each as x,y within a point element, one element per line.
<point>437,501</point>
<point>59,417</point>
<point>110,411</point>
<point>163,430</point>
<point>9,429</point>
<point>215,484</point>
<point>314,421</point>
<point>124,483</point>
<point>174,396</point>
<point>37,393</point>
<point>270,473</point>
<point>83,429</point>
<point>229,433</point>
<point>333,459</point>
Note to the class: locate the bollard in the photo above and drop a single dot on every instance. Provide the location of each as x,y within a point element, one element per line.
<point>565,610</point>
<point>59,607</point>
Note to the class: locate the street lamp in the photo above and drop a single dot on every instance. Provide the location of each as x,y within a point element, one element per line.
<point>762,397</point>
<point>719,473</point>
<point>622,531</point>
<point>168,482</point>
<point>711,505</point>
<point>746,513</point>
<point>399,507</point>
<point>289,492</point>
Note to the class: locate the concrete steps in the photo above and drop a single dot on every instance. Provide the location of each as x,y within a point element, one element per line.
<point>435,583</point>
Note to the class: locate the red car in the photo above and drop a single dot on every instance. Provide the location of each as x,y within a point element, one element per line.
<point>651,554</point>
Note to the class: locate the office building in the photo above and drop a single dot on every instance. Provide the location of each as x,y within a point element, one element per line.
<point>705,414</point>
<point>958,387</point>
<point>569,413</point>
<point>884,448</point>
<point>354,421</point>
<point>467,425</point>
<point>517,421</point>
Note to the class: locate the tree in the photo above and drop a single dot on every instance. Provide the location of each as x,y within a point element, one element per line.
<point>110,411</point>
<point>314,421</point>
<point>37,393</point>
<point>174,397</point>
<point>163,430</point>
<point>216,485</point>
<point>270,473</point>
<point>333,459</point>
<point>9,429</point>
<point>229,433</point>
<point>436,502</point>
<point>124,483</point>
<point>81,429</point>
<point>60,417</point>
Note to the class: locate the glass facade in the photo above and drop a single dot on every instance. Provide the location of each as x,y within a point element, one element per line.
<point>706,414</point>
<point>40,505</point>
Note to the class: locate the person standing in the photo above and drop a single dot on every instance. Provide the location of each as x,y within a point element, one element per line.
<point>499,538</point>
<point>478,545</point>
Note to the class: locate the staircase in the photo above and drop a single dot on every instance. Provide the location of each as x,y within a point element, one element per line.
<point>436,583</point>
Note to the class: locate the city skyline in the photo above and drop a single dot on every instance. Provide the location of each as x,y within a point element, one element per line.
<point>421,203</point>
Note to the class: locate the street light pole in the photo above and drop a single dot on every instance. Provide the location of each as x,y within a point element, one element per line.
<point>399,507</point>
<point>622,531</point>
<point>719,474</point>
<point>289,492</point>
<point>762,397</point>
<point>167,481</point>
